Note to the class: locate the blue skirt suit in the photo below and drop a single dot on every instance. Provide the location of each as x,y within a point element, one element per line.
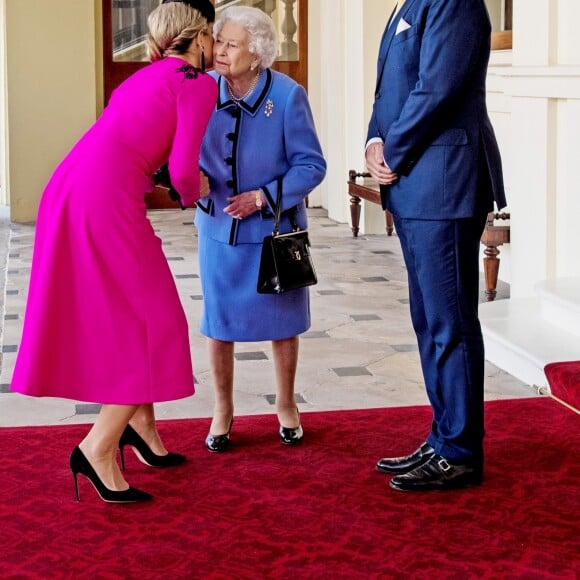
<point>248,146</point>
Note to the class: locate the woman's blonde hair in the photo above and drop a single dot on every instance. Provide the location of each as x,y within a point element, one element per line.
<point>172,29</point>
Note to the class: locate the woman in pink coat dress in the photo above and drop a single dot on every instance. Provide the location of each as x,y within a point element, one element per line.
<point>104,322</point>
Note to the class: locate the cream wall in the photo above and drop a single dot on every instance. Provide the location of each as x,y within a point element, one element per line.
<point>344,37</point>
<point>499,105</point>
<point>3,125</point>
<point>534,104</point>
<point>49,108</point>
<point>538,109</point>
<point>533,98</point>
<point>51,91</point>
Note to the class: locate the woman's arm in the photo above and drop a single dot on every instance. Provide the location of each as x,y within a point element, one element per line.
<point>195,105</point>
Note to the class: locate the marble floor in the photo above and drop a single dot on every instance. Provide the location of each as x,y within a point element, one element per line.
<point>359,353</point>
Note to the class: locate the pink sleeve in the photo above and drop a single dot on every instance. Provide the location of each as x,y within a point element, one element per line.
<point>195,104</point>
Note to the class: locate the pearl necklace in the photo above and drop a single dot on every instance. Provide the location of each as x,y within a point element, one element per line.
<point>252,87</point>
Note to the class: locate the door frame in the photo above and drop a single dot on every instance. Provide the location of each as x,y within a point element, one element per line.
<point>115,72</point>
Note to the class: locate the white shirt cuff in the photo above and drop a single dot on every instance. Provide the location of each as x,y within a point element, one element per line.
<point>373,140</point>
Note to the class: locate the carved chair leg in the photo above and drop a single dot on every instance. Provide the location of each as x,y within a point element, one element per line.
<point>491,270</point>
<point>390,226</point>
<point>355,214</point>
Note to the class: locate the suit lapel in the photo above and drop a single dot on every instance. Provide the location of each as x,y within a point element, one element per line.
<point>388,36</point>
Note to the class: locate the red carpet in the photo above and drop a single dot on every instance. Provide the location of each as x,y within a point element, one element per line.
<point>313,512</point>
<point>564,381</point>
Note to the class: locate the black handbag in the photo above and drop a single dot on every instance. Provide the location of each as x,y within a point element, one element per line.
<point>285,263</point>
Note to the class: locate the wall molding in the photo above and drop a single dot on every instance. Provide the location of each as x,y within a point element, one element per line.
<point>554,82</point>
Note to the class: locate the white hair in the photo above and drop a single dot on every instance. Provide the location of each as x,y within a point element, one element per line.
<point>259,27</point>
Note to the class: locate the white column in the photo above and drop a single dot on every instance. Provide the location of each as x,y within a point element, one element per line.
<point>568,19</point>
<point>344,37</point>
<point>533,181</point>
<point>375,16</point>
<point>532,39</point>
<point>565,261</point>
<point>326,90</point>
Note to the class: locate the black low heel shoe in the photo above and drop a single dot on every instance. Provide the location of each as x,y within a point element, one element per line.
<point>291,436</point>
<point>143,451</point>
<point>80,464</point>
<point>218,443</point>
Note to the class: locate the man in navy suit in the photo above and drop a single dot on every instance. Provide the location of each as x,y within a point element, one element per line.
<point>432,149</point>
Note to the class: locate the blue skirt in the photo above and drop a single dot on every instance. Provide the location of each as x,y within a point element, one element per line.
<point>232,308</point>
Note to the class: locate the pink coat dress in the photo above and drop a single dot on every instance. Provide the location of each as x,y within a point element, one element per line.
<point>104,322</point>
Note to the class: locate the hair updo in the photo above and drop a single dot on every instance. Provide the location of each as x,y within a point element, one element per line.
<point>172,29</point>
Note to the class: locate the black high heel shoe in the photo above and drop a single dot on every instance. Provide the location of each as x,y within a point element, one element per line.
<point>218,443</point>
<point>292,436</point>
<point>80,464</point>
<point>143,451</point>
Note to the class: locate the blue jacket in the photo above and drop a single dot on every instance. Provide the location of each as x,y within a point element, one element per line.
<point>247,147</point>
<point>430,111</point>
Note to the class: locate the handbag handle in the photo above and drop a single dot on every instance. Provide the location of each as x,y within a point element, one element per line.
<point>277,208</point>
<point>278,213</point>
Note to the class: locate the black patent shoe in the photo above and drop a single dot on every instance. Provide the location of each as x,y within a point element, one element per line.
<point>291,435</point>
<point>80,464</point>
<point>398,465</point>
<point>144,453</point>
<point>218,443</point>
<point>439,474</point>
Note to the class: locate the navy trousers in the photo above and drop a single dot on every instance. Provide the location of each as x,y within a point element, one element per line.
<point>442,260</point>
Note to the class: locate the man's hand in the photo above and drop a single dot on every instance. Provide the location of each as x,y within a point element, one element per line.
<point>376,165</point>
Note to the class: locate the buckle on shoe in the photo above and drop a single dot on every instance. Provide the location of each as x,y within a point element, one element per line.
<point>444,464</point>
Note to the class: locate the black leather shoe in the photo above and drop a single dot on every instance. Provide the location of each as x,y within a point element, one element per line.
<point>144,453</point>
<point>397,465</point>
<point>439,473</point>
<point>291,435</point>
<point>218,443</point>
<point>80,464</point>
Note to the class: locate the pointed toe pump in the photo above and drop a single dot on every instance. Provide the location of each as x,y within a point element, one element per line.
<point>80,464</point>
<point>218,443</point>
<point>144,453</point>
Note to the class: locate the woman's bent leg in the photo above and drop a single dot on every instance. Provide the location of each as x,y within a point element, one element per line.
<point>143,421</point>
<point>100,444</point>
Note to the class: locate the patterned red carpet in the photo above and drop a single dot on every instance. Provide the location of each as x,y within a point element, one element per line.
<point>317,511</point>
<point>564,381</point>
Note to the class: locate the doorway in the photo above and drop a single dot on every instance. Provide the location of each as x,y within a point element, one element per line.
<point>124,52</point>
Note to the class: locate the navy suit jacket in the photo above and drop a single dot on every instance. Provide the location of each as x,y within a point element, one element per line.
<point>430,111</point>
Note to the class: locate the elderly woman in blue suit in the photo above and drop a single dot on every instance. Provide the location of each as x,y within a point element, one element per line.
<point>262,130</point>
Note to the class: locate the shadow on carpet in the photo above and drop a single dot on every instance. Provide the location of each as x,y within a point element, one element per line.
<point>317,511</point>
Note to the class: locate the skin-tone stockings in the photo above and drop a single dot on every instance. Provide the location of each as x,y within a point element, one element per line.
<point>221,356</point>
<point>101,443</point>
